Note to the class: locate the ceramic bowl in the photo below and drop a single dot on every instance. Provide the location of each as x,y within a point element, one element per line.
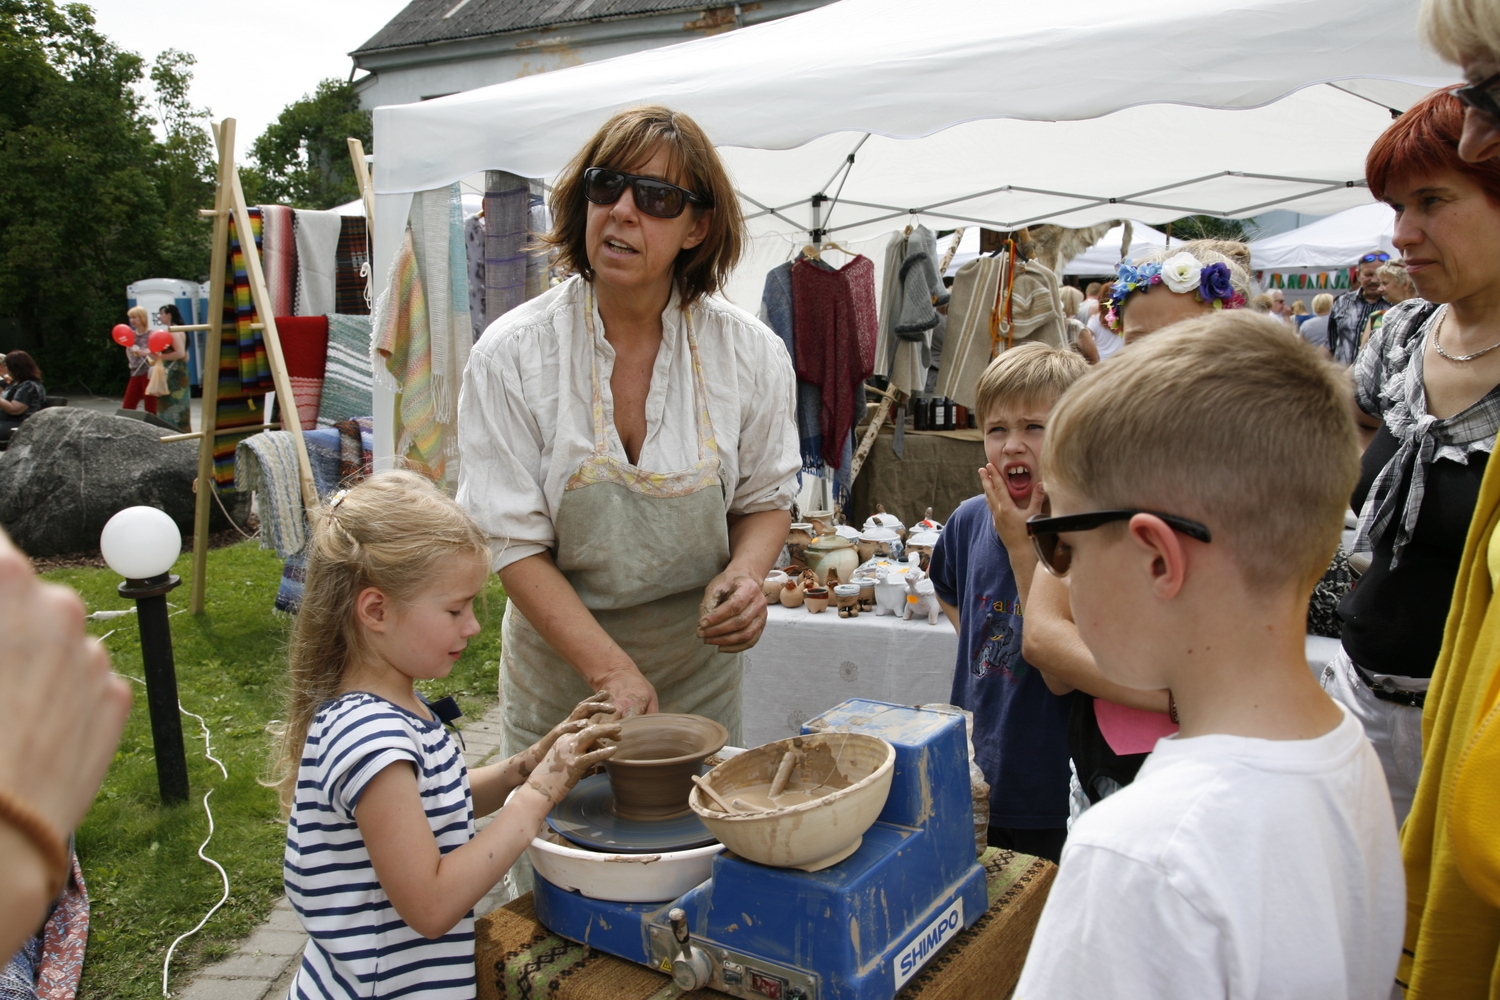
<point>815,599</point>
<point>652,771</point>
<point>811,835</point>
<point>623,878</point>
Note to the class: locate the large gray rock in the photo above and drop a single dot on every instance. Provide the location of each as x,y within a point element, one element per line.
<point>69,470</point>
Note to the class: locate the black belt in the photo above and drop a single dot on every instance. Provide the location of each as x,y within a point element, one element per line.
<point>1385,689</point>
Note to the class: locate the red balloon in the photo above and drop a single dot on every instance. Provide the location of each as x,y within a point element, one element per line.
<point>123,335</point>
<point>159,341</point>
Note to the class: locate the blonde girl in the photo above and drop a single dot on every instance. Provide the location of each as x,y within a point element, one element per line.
<point>382,862</point>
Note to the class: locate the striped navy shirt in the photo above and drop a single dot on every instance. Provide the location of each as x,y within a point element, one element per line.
<point>360,946</point>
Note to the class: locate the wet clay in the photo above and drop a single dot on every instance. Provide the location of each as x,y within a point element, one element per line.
<point>652,772</point>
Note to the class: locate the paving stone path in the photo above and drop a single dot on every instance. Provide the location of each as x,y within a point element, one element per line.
<point>266,962</point>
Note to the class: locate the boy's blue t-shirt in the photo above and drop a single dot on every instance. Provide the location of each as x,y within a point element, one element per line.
<point>1020,728</point>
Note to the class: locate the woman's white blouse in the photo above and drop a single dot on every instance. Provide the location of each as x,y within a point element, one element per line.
<point>525,418</point>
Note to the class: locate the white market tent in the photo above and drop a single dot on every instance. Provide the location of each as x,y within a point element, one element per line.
<point>1328,244</point>
<point>855,117</point>
<point>1100,258</point>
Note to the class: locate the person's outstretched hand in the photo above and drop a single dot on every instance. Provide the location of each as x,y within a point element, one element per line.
<point>65,710</point>
<point>628,690</point>
<point>570,758</point>
<point>597,707</point>
<point>733,613</point>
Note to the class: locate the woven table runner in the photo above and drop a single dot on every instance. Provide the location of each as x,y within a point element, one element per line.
<point>519,959</point>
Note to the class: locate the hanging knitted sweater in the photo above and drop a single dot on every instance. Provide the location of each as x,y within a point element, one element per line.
<point>835,320</point>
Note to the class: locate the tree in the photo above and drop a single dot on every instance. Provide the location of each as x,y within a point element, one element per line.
<point>302,158</point>
<point>1209,227</point>
<point>90,198</point>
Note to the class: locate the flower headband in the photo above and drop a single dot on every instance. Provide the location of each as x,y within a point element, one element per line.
<point>1182,273</point>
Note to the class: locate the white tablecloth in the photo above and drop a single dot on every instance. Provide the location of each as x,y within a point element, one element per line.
<point>805,664</point>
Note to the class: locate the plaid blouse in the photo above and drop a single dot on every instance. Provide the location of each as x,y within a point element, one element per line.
<point>1346,322</point>
<point>1388,384</point>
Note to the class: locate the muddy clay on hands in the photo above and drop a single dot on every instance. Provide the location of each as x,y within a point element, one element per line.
<point>651,772</point>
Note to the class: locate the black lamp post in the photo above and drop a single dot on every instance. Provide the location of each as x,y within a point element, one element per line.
<point>141,544</point>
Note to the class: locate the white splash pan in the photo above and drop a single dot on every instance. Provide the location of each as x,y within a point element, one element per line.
<point>623,878</point>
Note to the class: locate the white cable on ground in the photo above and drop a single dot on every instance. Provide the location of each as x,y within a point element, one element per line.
<point>207,752</point>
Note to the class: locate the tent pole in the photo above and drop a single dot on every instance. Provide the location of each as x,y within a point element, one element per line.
<point>204,484</point>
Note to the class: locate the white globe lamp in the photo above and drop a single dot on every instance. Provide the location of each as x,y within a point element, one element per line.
<point>140,543</point>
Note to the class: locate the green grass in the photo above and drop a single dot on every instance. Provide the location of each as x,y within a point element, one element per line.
<point>139,858</point>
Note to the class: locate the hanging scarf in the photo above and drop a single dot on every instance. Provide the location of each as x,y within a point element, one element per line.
<point>403,341</point>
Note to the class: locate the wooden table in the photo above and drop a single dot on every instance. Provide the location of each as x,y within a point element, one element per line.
<point>519,958</point>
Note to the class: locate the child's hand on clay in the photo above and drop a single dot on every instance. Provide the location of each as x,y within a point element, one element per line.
<point>570,758</point>
<point>585,712</point>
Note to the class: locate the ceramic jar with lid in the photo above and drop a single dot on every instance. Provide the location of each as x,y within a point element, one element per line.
<point>832,552</point>
<point>880,519</point>
<point>874,542</point>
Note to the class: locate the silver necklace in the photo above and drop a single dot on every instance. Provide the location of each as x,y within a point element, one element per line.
<point>1461,358</point>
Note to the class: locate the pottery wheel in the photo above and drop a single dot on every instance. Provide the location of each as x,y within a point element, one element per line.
<point>587,818</point>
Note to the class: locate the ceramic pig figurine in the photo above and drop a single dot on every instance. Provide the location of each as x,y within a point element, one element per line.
<point>921,597</point>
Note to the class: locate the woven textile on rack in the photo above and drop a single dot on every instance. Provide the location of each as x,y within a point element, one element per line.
<point>304,348</point>
<point>474,240</point>
<point>244,371</point>
<point>266,463</point>
<point>348,376</point>
<point>279,258</point>
<point>351,258</point>
<point>317,262</point>
<point>835,316</point>
<point>328,451</point>
<point>507,214</point>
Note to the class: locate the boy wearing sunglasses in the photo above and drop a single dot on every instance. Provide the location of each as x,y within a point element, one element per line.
<point>1198,484</point>
<point>1020,728</point>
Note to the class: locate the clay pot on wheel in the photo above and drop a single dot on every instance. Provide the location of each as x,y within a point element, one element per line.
<point>815,599</point>
<point>652,772</point>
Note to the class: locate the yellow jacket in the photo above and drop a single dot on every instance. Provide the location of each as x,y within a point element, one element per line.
<point>1451,840</point>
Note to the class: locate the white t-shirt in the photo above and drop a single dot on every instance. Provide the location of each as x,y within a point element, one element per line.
<point>1106,340</point>
<point>1233,868</point>
<point>526,416</point>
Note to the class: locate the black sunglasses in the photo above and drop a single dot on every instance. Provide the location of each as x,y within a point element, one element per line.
<point>1370,258</point>
<point>1057,556</point>
<point>1478,97</point>
<point>654,196</point>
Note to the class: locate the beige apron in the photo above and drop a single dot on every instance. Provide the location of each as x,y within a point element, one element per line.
<point>638,547</point>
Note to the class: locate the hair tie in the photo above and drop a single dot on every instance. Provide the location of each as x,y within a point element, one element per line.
<point>337,499</point>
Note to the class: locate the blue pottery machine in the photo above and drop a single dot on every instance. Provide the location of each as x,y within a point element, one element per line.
<point>859,930</point>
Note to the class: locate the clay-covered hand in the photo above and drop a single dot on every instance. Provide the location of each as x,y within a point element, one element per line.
<point>598,706</point>
<point>570,758</point>
<point>629,691</point>
<point>733,613</point>
<point>1010,520</point>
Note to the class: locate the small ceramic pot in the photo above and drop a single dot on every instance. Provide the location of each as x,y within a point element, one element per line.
<point>652,772</point>
<point>815,599</point>
<point>821,521</point>
<point>846,596</point>
<point>798,537</point>
<point>773,583</point>
<point>879,542</point>
<point>866,585</point>
<point>791,594</point>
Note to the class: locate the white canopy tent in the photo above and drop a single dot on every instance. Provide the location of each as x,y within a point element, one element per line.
<point>1328,244</point>
<point>1100,258</point>
<point>849,120</point>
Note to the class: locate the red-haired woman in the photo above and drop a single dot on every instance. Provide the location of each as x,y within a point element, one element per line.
<point>1429,380</point>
